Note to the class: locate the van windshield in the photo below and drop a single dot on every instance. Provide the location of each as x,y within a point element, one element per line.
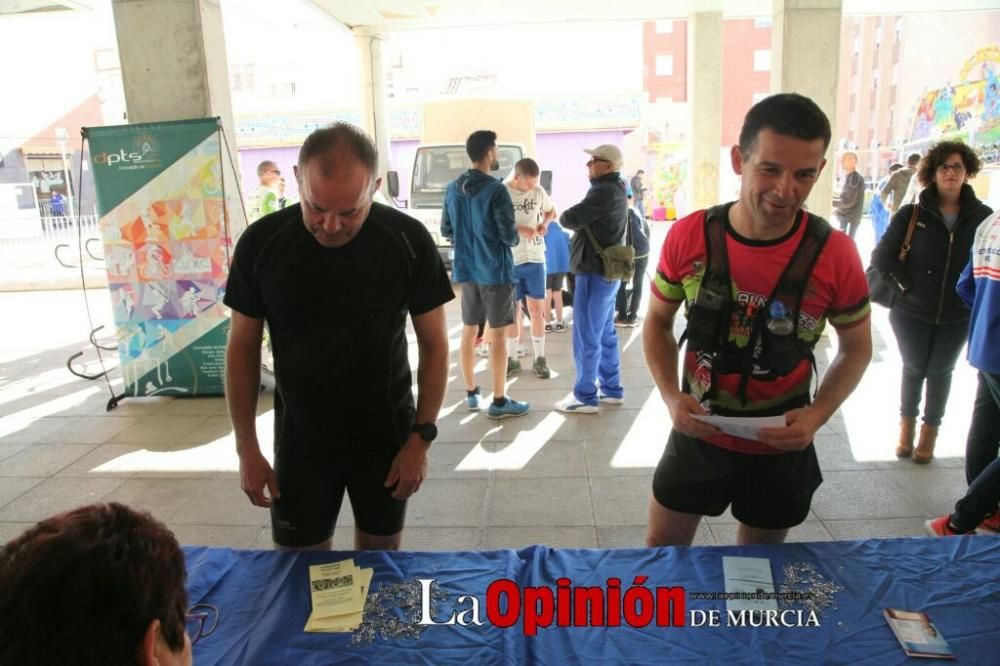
<point>436,166</point>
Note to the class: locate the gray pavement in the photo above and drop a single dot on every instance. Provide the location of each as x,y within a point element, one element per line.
<point>562,480</point>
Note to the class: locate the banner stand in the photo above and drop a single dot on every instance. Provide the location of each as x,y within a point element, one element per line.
<point>167,245</point>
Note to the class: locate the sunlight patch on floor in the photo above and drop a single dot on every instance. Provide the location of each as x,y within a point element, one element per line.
<point>517,454</point>
<point>643,444</point>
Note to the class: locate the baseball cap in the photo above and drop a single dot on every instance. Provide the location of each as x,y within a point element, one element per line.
<point>608,153</point>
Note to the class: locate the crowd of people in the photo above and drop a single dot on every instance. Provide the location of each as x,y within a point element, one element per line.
<point>337,278</point>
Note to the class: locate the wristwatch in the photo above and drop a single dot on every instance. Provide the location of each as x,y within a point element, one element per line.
<point>427,431</point>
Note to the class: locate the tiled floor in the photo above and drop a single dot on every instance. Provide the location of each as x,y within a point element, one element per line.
<point>578,480</point>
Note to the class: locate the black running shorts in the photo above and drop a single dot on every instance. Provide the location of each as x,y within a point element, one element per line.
<point>766,491</point>
<point>312,490</point>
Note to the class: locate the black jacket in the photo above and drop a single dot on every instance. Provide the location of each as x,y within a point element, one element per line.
<point>638,234</point>
<point>605,211</point>
<point>936,257</point>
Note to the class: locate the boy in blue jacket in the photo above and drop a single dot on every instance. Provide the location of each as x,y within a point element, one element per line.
<point>556,268</point>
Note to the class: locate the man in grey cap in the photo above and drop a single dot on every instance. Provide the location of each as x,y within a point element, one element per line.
<point>603,212</point>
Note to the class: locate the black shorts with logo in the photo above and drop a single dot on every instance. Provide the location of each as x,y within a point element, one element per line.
<point>312,491</point>
<point>766,491</point>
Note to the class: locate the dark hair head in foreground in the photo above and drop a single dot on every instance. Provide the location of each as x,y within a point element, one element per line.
<point>101,584</point>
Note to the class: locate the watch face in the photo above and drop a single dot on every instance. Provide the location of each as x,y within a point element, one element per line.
<point>427,431</point>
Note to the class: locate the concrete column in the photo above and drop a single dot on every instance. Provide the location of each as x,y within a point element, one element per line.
<point>173,56</point>
<point>375,118</point>
<point>805,59</point>
<point>704,78</point>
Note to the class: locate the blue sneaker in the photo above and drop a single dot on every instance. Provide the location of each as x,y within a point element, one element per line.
<point>508,408</point>
<point>472,401</point>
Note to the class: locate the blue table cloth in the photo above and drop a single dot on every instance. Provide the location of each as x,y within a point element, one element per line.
<point>264,602</point>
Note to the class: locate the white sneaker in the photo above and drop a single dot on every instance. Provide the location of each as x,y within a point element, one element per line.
<point>610,400</point>
<point>573,406</point>
<point>483,350</point>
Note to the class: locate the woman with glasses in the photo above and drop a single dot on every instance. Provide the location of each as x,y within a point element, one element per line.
<point>929,320</point>
<point>102,584</point>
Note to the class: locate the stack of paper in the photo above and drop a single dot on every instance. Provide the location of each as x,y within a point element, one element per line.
<point>339,590</point>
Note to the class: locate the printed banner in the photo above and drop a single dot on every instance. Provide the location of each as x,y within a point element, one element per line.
<point>166,248</point>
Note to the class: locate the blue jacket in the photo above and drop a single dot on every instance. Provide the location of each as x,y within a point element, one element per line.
<point>979,287</point>
<point>478,219</point>
<point>556,249</point>
<point>878,210</point>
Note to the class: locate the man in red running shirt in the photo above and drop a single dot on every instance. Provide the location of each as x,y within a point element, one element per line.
<point>759,278</point>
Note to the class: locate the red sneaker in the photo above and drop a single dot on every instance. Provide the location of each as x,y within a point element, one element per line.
<point>992,524</point>
<point>939,527</point>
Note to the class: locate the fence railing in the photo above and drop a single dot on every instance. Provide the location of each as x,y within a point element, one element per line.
<point>30,260</point>
<point>61,228</point>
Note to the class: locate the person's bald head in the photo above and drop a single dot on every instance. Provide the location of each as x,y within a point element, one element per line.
<point>338,144</point>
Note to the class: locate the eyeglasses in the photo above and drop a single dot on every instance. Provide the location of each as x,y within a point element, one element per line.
<point>957,167</point>
<point>274,171</point>
<point>200,621</point>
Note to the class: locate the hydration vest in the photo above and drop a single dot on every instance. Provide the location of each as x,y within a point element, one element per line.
<point>775,325</point>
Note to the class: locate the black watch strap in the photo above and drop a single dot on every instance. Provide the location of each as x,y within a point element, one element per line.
<point>427,431</point>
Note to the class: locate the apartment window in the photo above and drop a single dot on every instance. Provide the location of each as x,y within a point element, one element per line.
<point>664,65</point>
<point>895,74</point>
<point>762,60</point>
<point>242,75</point>
<point>664,27</point>
<point>763,22</point>
<point>854,103</point>
<point>758,96</point>
<point>898,30</point>
<point>856,44</point>
<point>283,89</point>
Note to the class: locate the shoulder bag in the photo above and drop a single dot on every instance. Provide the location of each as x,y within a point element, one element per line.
<point>617,261</point>
<point>883,288</point>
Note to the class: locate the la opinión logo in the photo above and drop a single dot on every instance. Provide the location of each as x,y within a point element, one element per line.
<point>567,605</point>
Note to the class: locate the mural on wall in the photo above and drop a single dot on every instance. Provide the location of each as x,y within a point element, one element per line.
<point>971,106</point>
<point>667,173</point>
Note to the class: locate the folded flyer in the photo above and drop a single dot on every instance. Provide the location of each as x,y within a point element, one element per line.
<point>917,634</point>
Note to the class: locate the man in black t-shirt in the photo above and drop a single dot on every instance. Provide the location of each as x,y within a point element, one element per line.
<point>335,279</point>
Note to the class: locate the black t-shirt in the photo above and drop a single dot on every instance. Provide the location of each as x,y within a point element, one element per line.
<point>337,323</point>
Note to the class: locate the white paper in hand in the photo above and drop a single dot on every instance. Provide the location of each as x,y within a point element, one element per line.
<point>746,427</point>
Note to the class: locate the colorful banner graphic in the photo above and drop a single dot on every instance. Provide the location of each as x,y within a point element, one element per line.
<point>972,105</point>
<point>166,248</point>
